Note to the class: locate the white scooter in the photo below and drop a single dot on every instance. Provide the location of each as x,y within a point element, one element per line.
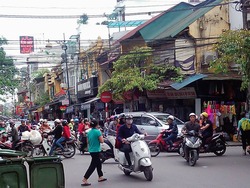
<point>108,149</point>
<point>140,157</point>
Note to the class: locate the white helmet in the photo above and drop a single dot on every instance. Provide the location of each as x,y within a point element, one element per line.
<point>41,120</point>
<point>192,114</point>
<point>171,117</point>
<point>57,121</point>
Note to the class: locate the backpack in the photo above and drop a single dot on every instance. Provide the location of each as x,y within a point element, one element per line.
<point>245,125</point>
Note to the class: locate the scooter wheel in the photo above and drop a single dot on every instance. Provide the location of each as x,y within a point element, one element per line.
<point>148,173</point>
<point>154,149</point>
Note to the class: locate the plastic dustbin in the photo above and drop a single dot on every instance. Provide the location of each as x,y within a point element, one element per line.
<point>7,153</point>
<point>13,173</point>
<point>46,172</point>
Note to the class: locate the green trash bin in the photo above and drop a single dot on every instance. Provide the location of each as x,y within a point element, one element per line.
<point>46,172</point>
<point>7,153</point>
<point>13,173</point>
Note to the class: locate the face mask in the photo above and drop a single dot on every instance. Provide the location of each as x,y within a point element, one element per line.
<point>129,121</point>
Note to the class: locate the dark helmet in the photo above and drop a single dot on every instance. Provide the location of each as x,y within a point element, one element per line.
<point>64,122</point>
<point>128,116</point>
<point>11,122</point>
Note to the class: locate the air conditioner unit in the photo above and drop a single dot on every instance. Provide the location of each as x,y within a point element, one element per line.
<point>208,57</point>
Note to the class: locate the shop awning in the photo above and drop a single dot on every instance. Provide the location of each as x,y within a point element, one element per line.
<point>188,80</point>
<point>91,100</point>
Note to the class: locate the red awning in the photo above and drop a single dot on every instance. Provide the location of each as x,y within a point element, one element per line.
<point>60,93</point>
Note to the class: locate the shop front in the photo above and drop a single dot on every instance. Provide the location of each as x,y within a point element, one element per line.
<point>176,102</point>
<point>86,94</point>
<point>223,101</point>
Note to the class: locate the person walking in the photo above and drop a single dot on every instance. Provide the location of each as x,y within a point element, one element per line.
<point>94,138</point>
<point>244,131</point>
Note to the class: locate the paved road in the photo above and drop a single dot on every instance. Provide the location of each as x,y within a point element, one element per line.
<point>170,170</point>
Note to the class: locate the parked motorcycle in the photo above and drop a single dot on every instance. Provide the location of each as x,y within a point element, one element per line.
<point>45,147</point>
<point>108,149</point>
<point>159,144</point>
<point>140,157</point>
<point>190,147</point>
<point>215,144</point>
<point>23,145</point>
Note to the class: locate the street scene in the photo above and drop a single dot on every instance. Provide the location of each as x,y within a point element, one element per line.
<point>124,93</point>
<point>170,170</point>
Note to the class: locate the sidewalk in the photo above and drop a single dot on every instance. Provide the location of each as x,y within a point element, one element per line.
<point>232,143</point>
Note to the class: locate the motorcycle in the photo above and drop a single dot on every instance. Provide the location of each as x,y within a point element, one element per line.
<point>215,144</point>
<point>159,144</point>
<point>108,149</point>
<point>23,145</point>
<point>190,147</point>
<point>45,147</point>
<point>140,157</point>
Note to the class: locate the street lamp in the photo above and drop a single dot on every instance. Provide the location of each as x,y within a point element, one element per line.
<point>64,47</point>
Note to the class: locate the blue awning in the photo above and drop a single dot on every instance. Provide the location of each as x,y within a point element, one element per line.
<point>188,80</point>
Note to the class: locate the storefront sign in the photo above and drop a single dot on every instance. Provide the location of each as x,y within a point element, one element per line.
<point>87,88</point>
<point>65,102</point>
<point>185,93</point>
<point>46,107</point>
<point>63,108</point>
<point>70,109</point>
<point>26,44</point>
<point>85,106</point>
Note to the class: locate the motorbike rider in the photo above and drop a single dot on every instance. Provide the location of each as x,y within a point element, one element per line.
<point>22,128</point>
<point>44,126</point>
<point>57,132</point>
<point>206,128</point>
<point>192,124</point>
<point>125,131</point>
<point>65,136</point>
<point>13,134</point>
<point>112,127</point>
<point>172,131</point>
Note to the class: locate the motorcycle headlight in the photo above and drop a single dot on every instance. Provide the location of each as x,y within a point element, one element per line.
<point>197,143</point>
<point>189,143</point>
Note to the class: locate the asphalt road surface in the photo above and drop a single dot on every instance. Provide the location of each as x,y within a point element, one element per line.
<point>231,170</point>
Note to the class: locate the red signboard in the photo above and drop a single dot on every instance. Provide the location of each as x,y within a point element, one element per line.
<point>26,44</point>
<point>106,96</point>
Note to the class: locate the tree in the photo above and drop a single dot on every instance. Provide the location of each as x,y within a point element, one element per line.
<point>8,71</point>
<point>134,71</point>
<point>233,47</point>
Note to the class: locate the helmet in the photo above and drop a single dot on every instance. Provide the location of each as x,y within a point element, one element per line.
<point>64,122</point>
<point>11,122</point>
<point>41,120</point>
<point>204,114</point>
<point>192,114</point>
<point>121,116</point>
<point>171,117</point>
<point>128,116</point>
<point>71,120</point>
<point>57,121</point>
<point>76,120</point>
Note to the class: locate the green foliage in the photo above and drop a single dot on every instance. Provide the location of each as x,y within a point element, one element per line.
<point>7,71</point>
<point>133,71</point>
<point>39,73</point>
<point>234,47</point>
<point>42,99</point>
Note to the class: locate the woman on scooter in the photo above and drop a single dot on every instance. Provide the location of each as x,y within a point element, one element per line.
<point>65,136</point>
<point>171,132</point>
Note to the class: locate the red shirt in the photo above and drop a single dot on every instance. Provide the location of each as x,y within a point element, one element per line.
<point>66,132</point>
<point>81,127</point>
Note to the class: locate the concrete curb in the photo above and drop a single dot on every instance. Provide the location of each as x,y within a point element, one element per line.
<point>230,144</point>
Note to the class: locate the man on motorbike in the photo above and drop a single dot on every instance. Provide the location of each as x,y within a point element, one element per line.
<point>57,132</point>
<point>192,124</point>
<point>65,136</point>
<point>14,134</point>
<point>206,128</point>
<point>125,131</point>
<point>171,132</point>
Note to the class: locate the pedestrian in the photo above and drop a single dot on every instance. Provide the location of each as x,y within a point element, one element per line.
<point>13,134</point>
<point>94,138</point>
<point>245,132</point>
